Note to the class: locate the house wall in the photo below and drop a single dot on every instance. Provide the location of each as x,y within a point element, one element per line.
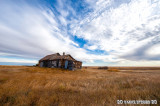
<point>70,65</point>
<point>61,64</point>
<point>41,64</point>
<point>53,64</point>
<point>78,64</point>
<point>48,64</point>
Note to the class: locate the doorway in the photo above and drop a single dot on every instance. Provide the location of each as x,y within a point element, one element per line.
<point>66,64</point>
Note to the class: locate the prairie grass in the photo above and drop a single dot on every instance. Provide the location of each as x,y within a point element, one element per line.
<point>34,86</point>
<point>113,70</point>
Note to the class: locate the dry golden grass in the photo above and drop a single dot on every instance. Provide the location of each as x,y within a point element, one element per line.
<point>113,70</point>
<point>32,86</point>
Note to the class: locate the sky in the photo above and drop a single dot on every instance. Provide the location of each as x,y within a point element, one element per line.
<point>96,32</point>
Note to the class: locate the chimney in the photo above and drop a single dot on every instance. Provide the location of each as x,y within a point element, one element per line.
<point>63,53</point>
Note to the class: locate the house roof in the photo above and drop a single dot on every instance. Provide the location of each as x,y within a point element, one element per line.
<point>58,56</point>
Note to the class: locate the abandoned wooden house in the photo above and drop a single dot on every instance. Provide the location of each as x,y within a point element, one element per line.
<point>60,61</point>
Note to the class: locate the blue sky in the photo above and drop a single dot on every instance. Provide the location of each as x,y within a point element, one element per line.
<point>97,32</point>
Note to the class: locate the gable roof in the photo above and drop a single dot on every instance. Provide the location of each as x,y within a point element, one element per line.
<point>57,56</point>
<point>50,56</point>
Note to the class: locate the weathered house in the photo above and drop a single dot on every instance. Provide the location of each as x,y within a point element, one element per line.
<point>60,61</point>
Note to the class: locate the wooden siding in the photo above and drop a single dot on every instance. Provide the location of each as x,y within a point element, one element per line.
<point>58,61</point>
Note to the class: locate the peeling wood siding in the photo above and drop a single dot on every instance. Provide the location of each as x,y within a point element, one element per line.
<point>58,61</point>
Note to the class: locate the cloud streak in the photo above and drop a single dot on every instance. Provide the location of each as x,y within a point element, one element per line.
<point>124,31</point>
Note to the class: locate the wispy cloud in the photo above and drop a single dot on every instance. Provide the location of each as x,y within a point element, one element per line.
<point>18,60</point>
<point>126,31</point>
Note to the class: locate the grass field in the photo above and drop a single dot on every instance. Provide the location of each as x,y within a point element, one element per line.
<point>34,86</point>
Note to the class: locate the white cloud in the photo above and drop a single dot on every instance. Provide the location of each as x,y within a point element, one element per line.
<point>154,50</point>
<point>137,63</point>
<point>33,32</point>
<point>121,30</point>
<point>18,60</point>
<point>92,47</point>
